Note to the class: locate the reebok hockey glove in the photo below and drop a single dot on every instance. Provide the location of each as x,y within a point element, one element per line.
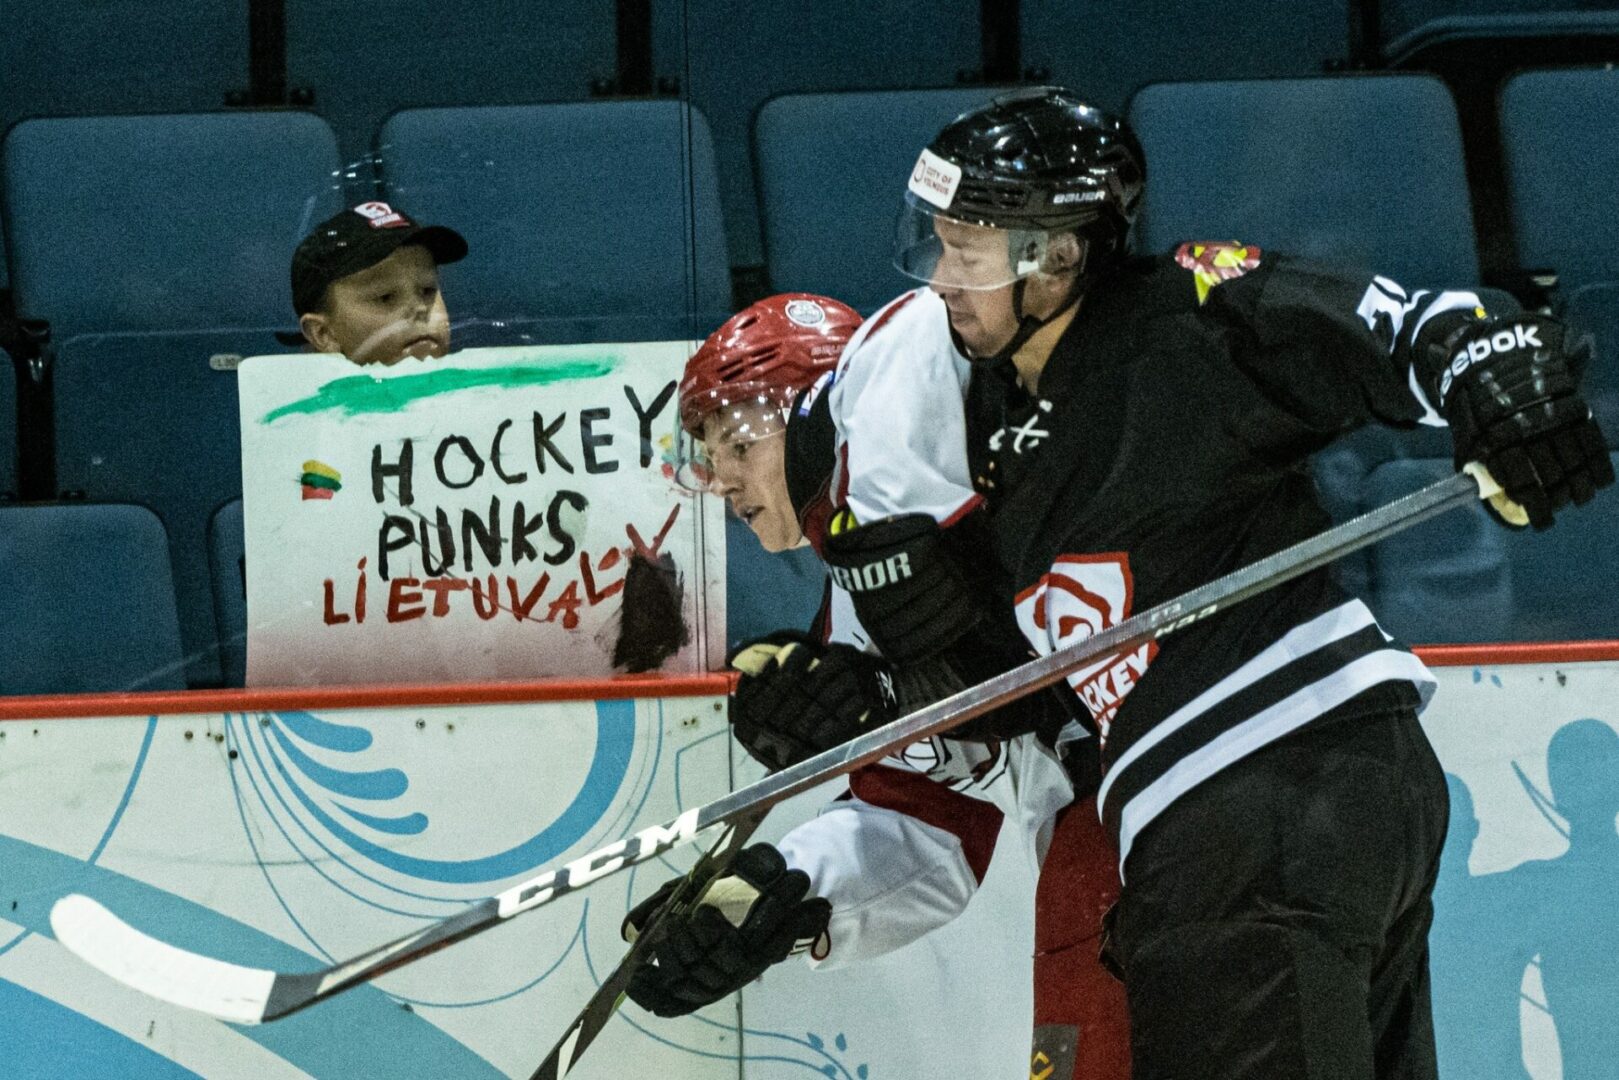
<point>798,697</point>
<point>755,916</point>
<point>1508,387</point>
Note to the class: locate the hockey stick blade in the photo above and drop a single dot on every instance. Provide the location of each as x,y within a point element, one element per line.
<point>246,995</point>
<point>156,968</point>
<point>253,995</point>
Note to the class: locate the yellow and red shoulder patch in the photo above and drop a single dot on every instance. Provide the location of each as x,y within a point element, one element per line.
<point>1214,261</point>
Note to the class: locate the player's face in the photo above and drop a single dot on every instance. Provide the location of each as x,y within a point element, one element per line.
<point>984,318</point>
<point>385,312</point>
<point>751,473</point>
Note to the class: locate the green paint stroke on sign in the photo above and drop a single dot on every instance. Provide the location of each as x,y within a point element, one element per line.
<point>356,394</point>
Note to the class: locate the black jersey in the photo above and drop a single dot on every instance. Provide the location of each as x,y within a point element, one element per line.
<point>1167,446</point>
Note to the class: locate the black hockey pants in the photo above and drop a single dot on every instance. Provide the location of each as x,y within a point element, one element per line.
<point>1274,920</point>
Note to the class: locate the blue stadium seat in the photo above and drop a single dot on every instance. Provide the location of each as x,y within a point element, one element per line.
<point>228,572</point>
<point>1560,143</point>
<point>93,57</point>
<point>832,171</point>
<point>92,601</point>
<point>364,61</point>
<point>1324,168</point>
<point>1593,312</point>
<point>126,223</point>
<point>731,57</point>
<point>153,418</point>
<point>1409,27</point>
<point>1107,51</point>
<point>1464,578</point>
<point>157,247</point>
<point>576,214</point>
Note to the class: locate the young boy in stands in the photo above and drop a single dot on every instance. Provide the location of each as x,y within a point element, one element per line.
<point>365,284</point>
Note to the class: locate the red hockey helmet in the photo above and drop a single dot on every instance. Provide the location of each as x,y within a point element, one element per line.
<point>765,355</point>
<point>751,370</point>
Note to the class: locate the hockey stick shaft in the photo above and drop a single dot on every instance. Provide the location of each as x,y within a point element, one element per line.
<point>248,995</point>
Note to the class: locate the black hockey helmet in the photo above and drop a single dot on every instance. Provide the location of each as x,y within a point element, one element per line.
<point>1035,161</point>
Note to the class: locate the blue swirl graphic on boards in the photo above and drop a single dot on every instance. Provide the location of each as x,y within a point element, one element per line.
<point>299,772</point>
<point>251,744</point>
<point>281,743</point>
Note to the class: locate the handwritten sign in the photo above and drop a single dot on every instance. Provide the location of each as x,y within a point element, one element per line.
<point>497,514</point>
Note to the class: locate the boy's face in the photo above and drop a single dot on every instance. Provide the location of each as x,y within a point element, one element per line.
<point>385,312</point>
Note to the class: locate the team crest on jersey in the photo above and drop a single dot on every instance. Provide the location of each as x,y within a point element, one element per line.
<point>1027,435</point>
<point>1212,262</point>
<point>1081,596</point>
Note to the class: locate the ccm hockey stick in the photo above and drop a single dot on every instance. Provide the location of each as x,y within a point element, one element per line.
<point>248,995</point>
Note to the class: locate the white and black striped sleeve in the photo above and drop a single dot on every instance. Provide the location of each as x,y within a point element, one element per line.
<point>1342,348</point>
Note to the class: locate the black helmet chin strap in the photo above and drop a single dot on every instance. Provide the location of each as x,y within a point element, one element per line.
<point>1029,325</point>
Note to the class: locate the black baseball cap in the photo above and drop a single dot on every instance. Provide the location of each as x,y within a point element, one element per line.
<point>359,237</point>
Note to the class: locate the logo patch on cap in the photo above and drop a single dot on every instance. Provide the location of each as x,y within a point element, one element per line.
<point>382,216</point>
<point>806,312</point>
<point>935,180</point>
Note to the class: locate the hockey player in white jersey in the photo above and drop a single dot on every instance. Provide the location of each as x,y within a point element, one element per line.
<point>801,450</point>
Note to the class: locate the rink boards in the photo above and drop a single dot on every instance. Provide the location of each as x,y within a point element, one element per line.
<point>289,829</point>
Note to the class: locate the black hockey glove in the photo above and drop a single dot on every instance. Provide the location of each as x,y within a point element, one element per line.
<point>1508,387</point>
<point>922,594</point>
<point>798,697</point>
<point>909,591</point>
<point>755,916</point>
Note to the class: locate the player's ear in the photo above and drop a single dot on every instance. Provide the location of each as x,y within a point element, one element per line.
<point>318,332</point>
<point>1065,253</point>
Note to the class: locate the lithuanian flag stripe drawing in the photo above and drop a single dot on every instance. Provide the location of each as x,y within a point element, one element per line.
<point>319,480</point>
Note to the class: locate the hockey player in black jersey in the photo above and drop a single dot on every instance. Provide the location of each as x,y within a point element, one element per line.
<point>1140,427</point>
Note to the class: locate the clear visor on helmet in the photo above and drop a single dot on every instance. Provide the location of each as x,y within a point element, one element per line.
<point>715,428</point>
<point>936,249</point>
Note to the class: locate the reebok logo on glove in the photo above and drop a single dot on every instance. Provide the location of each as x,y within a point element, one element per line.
<point>873,575</point>
<point>1481,349</point>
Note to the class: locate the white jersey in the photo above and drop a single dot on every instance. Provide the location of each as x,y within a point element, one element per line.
<point>897,857</point>
<point>895,398</point>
